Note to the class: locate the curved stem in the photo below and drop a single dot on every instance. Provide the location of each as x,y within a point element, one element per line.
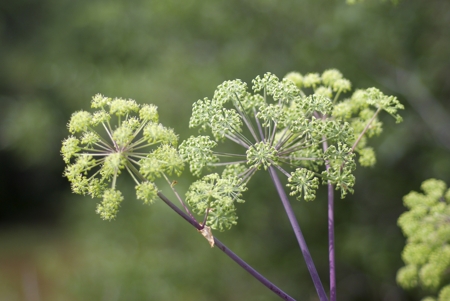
<point>298,233</point>
<point>227,251</point>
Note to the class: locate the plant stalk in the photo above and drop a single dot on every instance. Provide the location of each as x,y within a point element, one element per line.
<point>298,233</point>
<point>331,255</point>
<point>228,252</point>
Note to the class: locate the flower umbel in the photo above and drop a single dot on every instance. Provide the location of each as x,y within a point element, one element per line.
<point>427,228</point>
<point>278,124</point>
<point>132,140</point>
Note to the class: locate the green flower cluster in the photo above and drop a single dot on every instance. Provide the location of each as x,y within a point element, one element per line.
<point>132,140</point>
<point>427,228</point>
<point>215,196</point>
<point>296,125</point>
<point>361,111</point>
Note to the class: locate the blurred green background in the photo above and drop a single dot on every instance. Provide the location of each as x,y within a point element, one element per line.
<point>56,54</point>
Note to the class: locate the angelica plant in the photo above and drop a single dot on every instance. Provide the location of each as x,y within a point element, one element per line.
<point>426,226</point>
<point>297,126</point>
<point>135,142</point>
<point>124,136</point>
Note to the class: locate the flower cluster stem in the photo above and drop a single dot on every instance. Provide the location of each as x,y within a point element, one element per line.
<point>365,129</point>
<point>228,252</point>
<point>331,255</point>
<point>298,233</point>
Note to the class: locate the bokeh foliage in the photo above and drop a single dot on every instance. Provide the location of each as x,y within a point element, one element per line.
<point>55,55</point>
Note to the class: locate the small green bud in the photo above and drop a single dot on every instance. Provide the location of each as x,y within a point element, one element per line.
<point>304,183</point>
<point>112,165</point>
<point>149,113</point>
<point>296,78</point>
<point>197,151</point>
<point>122,107</point>
<point>390,104</point>
<point>329,77</point>
<point>317,103</point>
<point>444,294</point>
<point>96,188</point>
<point>234,170</point>
<point>343,110</point>
<point>133,122</point>
<point>311,80</point>
<point>416,254</point>
<point>109,207</point>
<point>123,135</point>
<point>225,122</point>
<point>89,138</point>
<point>407,276</point>
<point>147,192</point>
<point>100,117</point>
<point>155,133</point>
<point>151,167</point>
<point>430,275</point>
<point>324,91</point>
<point>434,188</point>
<point>100,101</point>
<point>229,91</point>
<point>165,159</point>
<point>270,113</point>
<point>427,230</point>
<point>367,156</point>
<point>70,148</point>
<point>342,85</point>
<point>79,184</point>
<point>216,196</point>
<point>79,122</point>
<point>269,83</point>
<point>261,154</point>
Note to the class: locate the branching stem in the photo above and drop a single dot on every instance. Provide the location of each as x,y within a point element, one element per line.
<point>179,198</point>
<point>365,129</point>
<point>228,252</point>
<point>331,243</point>
<point>298,233</point>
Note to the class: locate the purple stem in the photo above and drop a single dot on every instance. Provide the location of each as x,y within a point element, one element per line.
<point>298,233</point>
<point>331,242</point>
<point>230,254</point>
<point>331,256</point>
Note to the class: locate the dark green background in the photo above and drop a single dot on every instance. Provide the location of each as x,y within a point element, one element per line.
<point>56,54</point>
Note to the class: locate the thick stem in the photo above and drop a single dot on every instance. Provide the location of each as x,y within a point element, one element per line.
<point>230,254</point>
<point>298,233</point>
<point>331,255</point>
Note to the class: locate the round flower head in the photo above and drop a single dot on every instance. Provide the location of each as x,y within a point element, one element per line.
<point>427,228</point>
<point>120,136</point>
<point>279,125</point>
